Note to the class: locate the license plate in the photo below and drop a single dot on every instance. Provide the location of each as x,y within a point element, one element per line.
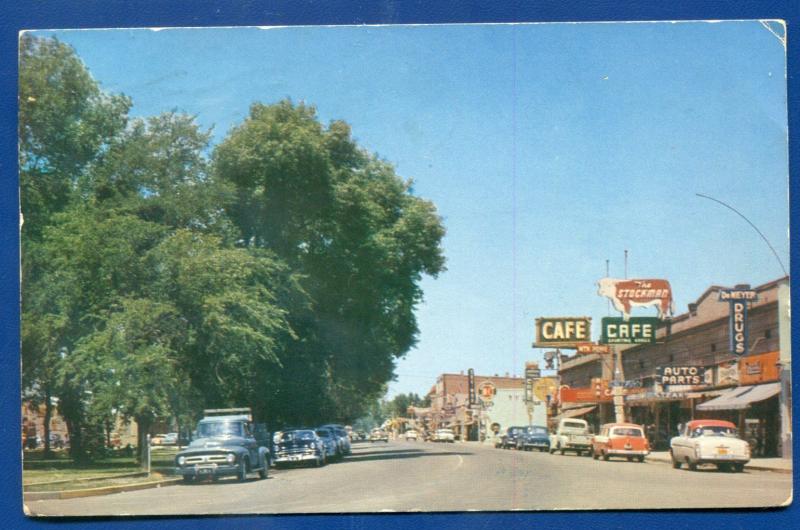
<point>722,451</point>
<point>203,470</point>
<point>294,457</point>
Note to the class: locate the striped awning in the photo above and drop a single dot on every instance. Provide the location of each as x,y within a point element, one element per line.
<point>740,398</point>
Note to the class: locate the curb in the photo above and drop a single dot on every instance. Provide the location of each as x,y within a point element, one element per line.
<point>91,492</point>
<point>747,466</point>
<point>85,479</point>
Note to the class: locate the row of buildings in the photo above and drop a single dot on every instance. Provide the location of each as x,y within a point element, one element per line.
<point>689,372</point>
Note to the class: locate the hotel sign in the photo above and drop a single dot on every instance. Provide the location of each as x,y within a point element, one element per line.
<point>562,332</point>
<point>636,330</point>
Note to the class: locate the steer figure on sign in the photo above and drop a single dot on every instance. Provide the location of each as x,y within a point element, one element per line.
<point>625,294</point>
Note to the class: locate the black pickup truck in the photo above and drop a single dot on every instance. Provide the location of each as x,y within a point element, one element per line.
<point>227,442</point>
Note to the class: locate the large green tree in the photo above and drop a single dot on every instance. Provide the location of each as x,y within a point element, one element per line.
<point>356,232</point>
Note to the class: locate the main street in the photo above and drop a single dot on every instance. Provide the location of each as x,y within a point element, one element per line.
<point>422,476</point>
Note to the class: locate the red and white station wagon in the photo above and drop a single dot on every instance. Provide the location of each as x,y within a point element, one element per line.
<point>620,439</point>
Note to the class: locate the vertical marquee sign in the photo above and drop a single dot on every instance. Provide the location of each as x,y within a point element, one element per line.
<point>532,374</point>
<point>737,321</point>
<point>471,381</point>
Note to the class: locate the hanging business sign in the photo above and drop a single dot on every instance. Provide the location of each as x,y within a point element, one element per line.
<point>675,375</point>
<point>586,348</point>
<point>627,294</point>
<point>471,382</point>
<point>486,391</point>
<point>737,321</point>
<point>562,332</point>
<point>636,330</point>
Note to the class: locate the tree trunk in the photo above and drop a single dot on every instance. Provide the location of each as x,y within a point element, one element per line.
<point>142,428</point>
<point>48,413</point>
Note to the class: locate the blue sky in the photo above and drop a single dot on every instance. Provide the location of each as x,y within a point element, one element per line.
<point>547,148</point>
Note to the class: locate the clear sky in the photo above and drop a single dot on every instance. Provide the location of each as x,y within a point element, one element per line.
<point>547,148</point>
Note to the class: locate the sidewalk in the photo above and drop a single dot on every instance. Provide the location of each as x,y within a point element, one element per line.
<point>778,465</point>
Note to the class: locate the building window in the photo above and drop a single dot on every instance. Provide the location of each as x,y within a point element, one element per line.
<point>671,357</point>
<point>641,364</point>
<point>713,347</point>
<point>767,333</point>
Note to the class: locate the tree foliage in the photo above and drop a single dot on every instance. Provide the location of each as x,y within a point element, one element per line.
<point>282,272</point>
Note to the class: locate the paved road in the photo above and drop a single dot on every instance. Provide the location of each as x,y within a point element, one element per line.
<point>409,476</point>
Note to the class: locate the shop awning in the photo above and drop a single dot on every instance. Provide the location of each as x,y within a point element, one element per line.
<point>741,397</point>
<point>574,413</point>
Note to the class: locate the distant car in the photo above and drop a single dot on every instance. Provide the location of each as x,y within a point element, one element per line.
<point>341,436</point>
<point>411,435</point>
<point>444,435</point>
<point>56,441</point>
<point>171,438</point>
<point>510,437</point>
<point>378,435</point>
<point>157,439</point>
<point>534,437</point>
<point>329,442</point>
<point>620,439</point>
<point>300,446</point>
<point>709,442</point>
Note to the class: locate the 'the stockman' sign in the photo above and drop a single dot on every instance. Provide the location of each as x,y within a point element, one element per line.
<point>562,332</point>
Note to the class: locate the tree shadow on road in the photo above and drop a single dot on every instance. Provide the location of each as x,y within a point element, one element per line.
<point>405,453</point>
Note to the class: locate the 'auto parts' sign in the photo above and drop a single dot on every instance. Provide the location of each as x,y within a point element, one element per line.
<point>564,332</point>
<point>684,375</point>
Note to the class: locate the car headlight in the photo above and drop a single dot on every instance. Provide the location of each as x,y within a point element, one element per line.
<point>230,458</point>
<point>313,445</point>
<point>181,460</point>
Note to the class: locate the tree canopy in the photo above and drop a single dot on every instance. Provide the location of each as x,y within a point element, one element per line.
<point>279,269</point>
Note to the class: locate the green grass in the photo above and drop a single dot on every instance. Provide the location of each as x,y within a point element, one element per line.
<point>60,466</point>
<point>110,481</point>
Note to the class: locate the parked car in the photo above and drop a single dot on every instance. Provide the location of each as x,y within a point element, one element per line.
<point>329,443</point>
<point>157,439</point>
<point>444,435</point>
<point>509,438</point>
<point>620,439</point>
<point>411,434</point>
<point>227,442</point>
<point>571,435</point>
<point>709,442</point>
<point>534,437</point>
<point>300,446</point>
<point>56,441</point>
<point>341,436</point>
<point>378,435</point>
<point>171,438</point>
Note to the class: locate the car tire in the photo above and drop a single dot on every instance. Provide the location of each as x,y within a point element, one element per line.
<point>263,473</point>
<point>188,479</point>
<point>738,468</point>
<point>605,456</point>
<point>578,453</point>
<point>241,473</point>
<point>640,459</point>
<point>552,451</point>
<point>595,456</point>
<point>630,459</point>
<point>675,463</point>
<point>692,465</point>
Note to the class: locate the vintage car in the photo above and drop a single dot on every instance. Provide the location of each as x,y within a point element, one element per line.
<point>709,442</point>
<point>534,437</point>
<point>378,435</point>
<point>620,439</point>
<point>299,447</point>
<point>444,435</point>
<point>329,443</point>
<point>341,435</point>
<point>227,443</point>
<point>411,434</point>
<point>571,434</point>
<point>509,439</point>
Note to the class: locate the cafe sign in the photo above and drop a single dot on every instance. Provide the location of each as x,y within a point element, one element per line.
<point>562,332</point>
<point>636,330</point>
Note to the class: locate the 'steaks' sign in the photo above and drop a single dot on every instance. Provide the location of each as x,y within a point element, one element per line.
<point>636,330</point>
<point>563,332</point>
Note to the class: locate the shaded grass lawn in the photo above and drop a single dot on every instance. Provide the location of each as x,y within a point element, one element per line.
<point>36,468</point>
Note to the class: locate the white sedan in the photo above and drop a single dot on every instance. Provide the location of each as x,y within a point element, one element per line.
<point>411,435</point>
<point>444,435</point>
<point>709,442</point>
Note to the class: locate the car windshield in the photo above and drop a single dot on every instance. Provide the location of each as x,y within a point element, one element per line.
<point>537,430</point>
<point>324,433</point>
<point>515,430</point>
<point>292,436</point>
<point>445,431</point>
<point>713,430</point>
<point>208,429</point>
<point>627,431</point>
<point>574,425</point>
